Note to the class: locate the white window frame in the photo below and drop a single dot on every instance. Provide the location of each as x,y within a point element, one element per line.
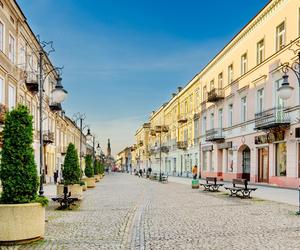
<point>230,115</point>
<point>212,120</point>
<point>230,73</point>
<point>2,90</point>
<point>13,98</point>
<point>244,63</point>
<point>280,34</point>
<point>2,39</point>
<point>220,118</point>
<point>244,109</point>
<point>12,54</point>
<point>260,94</point>
<point>260,51</point>
<point>220,80</point>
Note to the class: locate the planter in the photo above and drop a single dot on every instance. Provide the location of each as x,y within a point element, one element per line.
<point>195,184</point>
<point>84,187</point>
<point>97,177</point>
<point>75,189</point>
<point>91,183</point>
<point>21,222</point>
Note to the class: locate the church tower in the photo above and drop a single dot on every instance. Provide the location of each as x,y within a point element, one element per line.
<point>108,148</point>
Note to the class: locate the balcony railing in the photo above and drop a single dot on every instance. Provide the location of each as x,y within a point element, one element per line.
<point>272,118</point>
<point>182,145</point>
<point>215,134</point>
<point>182,118</point>
<point>48,137</point>
<point>55,107</point>
<point>63,150</point>
<point>215,95</point>
<point>32,86</point>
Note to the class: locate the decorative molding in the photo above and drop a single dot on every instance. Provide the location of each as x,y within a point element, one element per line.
<point>260,80</point>
<point>241,90</point>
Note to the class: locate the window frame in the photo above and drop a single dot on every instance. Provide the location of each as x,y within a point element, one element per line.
<point>244,109</point>
<point>259,48</point>
<point>244,64</point>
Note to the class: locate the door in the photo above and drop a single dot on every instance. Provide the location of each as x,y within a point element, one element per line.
<point>246,164</point>
<point>263,165</point>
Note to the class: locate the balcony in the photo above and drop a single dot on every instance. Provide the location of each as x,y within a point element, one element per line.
<point>32,86</point>
<point>48,137</point>
<point>272,118</point>
<point>63,150</point>
<point>182,118</point>
<point>215,95</point>
<point>215,134</point>
<point>164,149</point>
<point>182,145</point>
<point>55,107</point>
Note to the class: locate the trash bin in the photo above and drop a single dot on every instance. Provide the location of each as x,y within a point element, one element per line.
<point>195,184</point>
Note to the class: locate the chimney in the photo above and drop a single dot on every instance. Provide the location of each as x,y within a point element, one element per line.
<point>179,89</point>
<point>173,95</point>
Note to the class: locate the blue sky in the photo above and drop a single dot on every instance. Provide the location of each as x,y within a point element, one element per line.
<point>123,58</point>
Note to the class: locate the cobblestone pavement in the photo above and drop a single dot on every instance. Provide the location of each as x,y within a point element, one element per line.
<point>127,212</point>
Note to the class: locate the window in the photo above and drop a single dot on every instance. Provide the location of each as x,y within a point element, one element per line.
<point>280,36</point>
<point>278,101</point>
<point>212,120</point>
<point>12,48</point>
<point>244,64</point>
<point>1,90</point>
<point>220,118</point>
<point>22,56</point>
<point>243,109</point>
<point>281,159</point>
<point>11,97</point>
<point>260,51</point>
<point>260,100</point>
<point>220,81</point>
<point>205,156</point>
<point>204,125</point>
<point>1,36</point>
<point>212,85</point>
<point>204,94</point>
<point>196,128</point>
<point>230,115</point>
<point>230,74</point>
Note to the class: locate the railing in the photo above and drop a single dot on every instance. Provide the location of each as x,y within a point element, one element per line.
<point>63,150</point>
<point>55,107</point>
<point>182,145</point>
<point>214,134</point>
<point>182,118</point>
<point>48,137</point>
<point>271,118</point>
<point>215,95</point>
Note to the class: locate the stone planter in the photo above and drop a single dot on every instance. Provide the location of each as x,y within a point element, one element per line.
<point>97,177</point>
<point>84,187</point>
<point>91,183</point>
<point>75,189</point>
<point>21,222</point>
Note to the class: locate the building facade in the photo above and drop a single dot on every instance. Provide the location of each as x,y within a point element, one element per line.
<point>19,68</point>
<point>229,119</point>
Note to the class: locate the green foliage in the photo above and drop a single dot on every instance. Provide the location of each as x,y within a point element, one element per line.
<point>89,170</point>
<point>101,168</point>
<point>41,199</point>
<point>97,167</point>
<point>18,171</point>
<point>71,170</point>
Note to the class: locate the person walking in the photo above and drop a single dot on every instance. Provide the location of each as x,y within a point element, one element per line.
<point>141,173</point>
<point>195,172</point>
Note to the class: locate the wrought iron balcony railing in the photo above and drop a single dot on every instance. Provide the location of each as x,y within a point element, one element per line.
<point>215,95</point>
<point>182,118</point>
<point>215,134</point>
<point>272,118</point>
<point>182,145</point>
<point>48,137</point>
<point>55,107</point>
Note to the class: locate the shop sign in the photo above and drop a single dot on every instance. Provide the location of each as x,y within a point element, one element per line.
<point>225,145</point>
<point>269,137</point>
<point>207,148</point>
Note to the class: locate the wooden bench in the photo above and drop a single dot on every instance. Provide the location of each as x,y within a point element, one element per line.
<point>65,200</point>
<point>211,184</point>
<point>240,186</point>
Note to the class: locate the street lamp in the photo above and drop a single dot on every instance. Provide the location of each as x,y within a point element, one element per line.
<point>92,137</point>
<point>59,94</point>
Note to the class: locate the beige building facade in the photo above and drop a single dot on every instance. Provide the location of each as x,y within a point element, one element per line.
<point>229,119</point>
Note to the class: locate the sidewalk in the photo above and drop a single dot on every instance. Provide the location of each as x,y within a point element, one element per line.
<point>283,195</point>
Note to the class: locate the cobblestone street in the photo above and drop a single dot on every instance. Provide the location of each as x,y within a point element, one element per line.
<point>127,212</point>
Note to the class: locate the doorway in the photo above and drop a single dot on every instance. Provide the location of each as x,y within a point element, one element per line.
<point>246,163</point>
<point>263,165</point>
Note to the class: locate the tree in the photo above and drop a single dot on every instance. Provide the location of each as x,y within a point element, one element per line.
<point>71,170</point>
<point>18,171</point>
<point>89,170</point>
<point>96,167</point>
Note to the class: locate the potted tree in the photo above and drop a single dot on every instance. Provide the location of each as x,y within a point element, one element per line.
<point>21,210</point>
<point>89,172</point>
<point>71,174</point>
<point>97,170</point>
<point>101,168</point>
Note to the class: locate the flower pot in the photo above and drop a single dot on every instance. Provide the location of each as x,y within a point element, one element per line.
<point>97,177</point>
<point>75,189</point>
<point>91,183</point>
<point>21,222</point>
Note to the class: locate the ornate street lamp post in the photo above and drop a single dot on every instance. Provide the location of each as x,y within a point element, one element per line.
<point>59,94</point>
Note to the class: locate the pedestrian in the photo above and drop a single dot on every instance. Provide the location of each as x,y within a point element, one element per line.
<point>55,176</point>
<point>194,171</point>
<point>141,173</point>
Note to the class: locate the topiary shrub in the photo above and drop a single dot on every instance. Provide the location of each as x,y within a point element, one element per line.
<point>97,167</point>
<point>101,167</point>
<point>89,170</point>
<point>71,170</point>
<point>18,171</point>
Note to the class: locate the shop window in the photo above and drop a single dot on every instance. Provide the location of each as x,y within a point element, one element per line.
<point>280,159</point>
<point>205,156</point>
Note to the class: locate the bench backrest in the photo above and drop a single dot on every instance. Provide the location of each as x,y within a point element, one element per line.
<point>243,182</point>
<point>211,179</point>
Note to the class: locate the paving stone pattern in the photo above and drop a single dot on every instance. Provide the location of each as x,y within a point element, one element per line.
<point>127,212</point>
